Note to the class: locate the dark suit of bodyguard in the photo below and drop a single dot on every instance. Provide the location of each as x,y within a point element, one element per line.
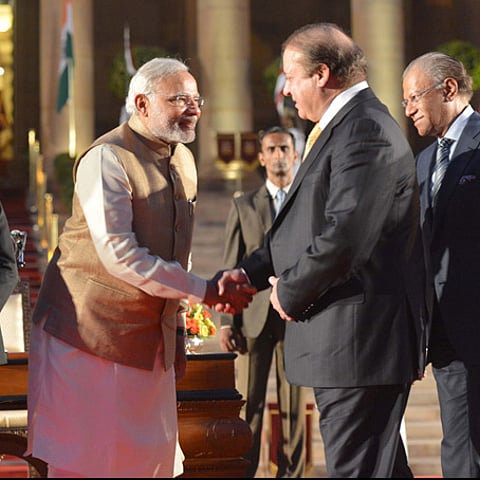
<point>343,248</point>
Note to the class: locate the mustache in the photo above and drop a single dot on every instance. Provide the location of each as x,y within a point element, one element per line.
<point>189,118</point>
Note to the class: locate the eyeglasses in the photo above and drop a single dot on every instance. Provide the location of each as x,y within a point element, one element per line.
<point>182,100</point>
<point>415,98</point>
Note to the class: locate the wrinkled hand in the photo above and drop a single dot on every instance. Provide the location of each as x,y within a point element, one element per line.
<point>229,291</point>
<point>276,302</point>
<point>232,340</point>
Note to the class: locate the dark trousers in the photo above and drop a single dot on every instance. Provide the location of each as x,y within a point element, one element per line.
<point>458,390</point>
<point>360,428</point>
<point>253,373</point>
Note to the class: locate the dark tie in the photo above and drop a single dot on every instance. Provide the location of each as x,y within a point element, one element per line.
<point>279,198</point>
<point>441,164</point>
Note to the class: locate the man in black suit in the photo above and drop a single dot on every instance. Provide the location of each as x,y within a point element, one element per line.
<point>341,258</point>
<point>437,91</point>
<point>258,333</point>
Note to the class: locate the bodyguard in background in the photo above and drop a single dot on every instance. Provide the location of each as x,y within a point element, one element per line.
<point>437,91</point>
<point>257,333</point>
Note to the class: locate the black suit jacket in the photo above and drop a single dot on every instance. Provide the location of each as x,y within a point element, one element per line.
<point>343,246</point>
<point>452,240</point>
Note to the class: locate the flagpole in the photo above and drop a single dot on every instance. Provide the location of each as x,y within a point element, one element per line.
<point>72,132</point>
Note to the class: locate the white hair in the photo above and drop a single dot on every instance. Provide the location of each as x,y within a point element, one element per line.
<point>145,77</point>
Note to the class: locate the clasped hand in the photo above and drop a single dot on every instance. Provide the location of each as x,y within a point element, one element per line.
<point>276,302</point>
<point>229,291</point>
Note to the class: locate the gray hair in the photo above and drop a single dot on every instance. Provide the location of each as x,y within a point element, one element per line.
<point>438,66</point>
<point>144,79</point>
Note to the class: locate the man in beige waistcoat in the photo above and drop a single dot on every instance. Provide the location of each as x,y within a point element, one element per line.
<point>107,342</point>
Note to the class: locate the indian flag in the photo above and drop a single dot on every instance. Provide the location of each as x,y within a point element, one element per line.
<point>65,73</point>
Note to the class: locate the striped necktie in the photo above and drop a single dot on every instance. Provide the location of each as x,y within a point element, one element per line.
<point>312,137</point>
<point>441,164</point>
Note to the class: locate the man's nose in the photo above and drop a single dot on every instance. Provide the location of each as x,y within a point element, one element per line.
<point>193,106</point>
<point>410,109</point>
<point>278,152</point>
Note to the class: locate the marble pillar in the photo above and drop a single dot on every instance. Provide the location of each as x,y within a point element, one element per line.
<point>223,29</point>
<point>378,27</point>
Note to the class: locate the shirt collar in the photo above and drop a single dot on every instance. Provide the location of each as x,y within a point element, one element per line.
<point>273,189</point>
<point>339,101</point>
<point>456,128</point>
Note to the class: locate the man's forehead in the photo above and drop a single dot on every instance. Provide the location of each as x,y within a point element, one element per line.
<point>292,60</point>
<point>182,81</point>
<point>277,139</point>
<point>415,76</point>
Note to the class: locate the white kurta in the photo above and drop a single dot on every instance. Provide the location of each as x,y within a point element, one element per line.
<point>98,418</point>
<point>88,415</point>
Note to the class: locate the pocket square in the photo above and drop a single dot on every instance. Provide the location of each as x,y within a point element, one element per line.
<point>467,179</point>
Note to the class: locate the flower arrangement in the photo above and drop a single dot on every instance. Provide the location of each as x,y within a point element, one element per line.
<point>199,321</point>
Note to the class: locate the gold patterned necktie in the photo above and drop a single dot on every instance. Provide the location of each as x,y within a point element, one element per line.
<point>312,137</point>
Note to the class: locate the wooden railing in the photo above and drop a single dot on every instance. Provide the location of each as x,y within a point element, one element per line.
<point>212,435</point>
<point>13,412</point>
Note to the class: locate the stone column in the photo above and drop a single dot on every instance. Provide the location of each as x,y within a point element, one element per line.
<point>378,27</point>
<point>224,54</point>
<point>55,127</point>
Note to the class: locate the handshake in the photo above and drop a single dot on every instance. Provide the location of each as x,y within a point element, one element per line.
<point>229,291</point>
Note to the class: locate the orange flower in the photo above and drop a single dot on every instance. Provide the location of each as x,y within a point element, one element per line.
<point>199,321</point>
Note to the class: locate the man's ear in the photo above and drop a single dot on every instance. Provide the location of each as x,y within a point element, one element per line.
<point>295,155</point>
<point>323,75</point>
<point>450,90</point>
<point>261,161</point>
<point>141,103</point>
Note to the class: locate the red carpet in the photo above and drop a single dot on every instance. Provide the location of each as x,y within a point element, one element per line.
<point>13,467</point>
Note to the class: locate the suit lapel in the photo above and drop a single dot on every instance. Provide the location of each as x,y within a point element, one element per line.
<point>263,205</point>
<point>313,154</point>
<point>425,162</point>
<point>463,155</point>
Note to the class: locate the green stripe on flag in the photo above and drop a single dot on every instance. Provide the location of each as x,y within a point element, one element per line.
<point>63,92</point>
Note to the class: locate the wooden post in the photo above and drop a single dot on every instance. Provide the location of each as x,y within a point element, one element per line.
<point>211,433</point>
<point>53,237</point>
<point>45,237</point>
<point>41,189</point>
<point>33,153</point>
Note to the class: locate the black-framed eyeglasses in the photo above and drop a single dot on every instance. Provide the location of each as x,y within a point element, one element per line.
<point>181,100</point>
<point>415,98</point>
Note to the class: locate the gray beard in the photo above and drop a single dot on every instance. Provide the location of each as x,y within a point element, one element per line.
<point>175,135</point>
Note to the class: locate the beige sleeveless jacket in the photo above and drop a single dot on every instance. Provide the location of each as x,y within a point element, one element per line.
<point>96,312</point>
